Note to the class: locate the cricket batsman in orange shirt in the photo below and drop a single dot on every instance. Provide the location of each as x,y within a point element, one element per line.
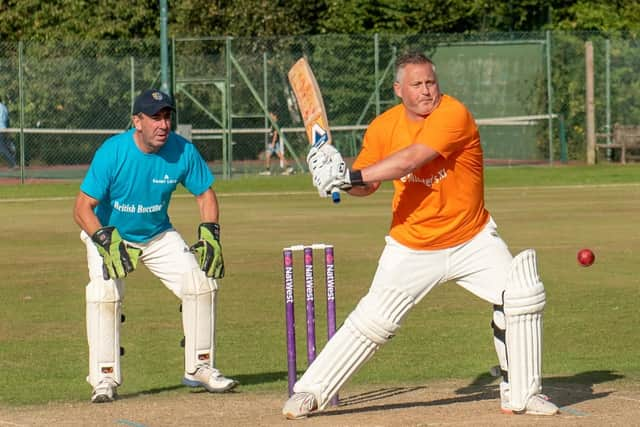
<point>429,146</point>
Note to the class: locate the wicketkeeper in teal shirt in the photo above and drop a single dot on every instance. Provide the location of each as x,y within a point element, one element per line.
<point>122,209</point>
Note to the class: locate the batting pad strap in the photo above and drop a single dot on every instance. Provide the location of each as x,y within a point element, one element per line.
<point>499,326</point>
<point>499,323</point>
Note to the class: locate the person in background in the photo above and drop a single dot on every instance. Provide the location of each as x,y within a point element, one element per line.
<point>7,148</point>
<point>276,148</point>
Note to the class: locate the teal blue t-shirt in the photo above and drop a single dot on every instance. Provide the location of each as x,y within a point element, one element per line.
<point>134,188</point>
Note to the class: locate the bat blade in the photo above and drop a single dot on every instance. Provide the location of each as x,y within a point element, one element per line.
<point>311,107</point>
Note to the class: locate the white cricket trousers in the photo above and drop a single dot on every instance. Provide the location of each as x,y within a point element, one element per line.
<point>167,256</point>
<point>480,265</point>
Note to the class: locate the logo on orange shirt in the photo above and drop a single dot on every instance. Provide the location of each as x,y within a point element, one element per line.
<point>428,182</point>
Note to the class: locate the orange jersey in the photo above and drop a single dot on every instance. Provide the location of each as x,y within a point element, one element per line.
<point>440,204</point>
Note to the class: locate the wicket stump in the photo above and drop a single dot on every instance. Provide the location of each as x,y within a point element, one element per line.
<point>329,267</point>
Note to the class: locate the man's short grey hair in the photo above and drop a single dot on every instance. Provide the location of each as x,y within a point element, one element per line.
<point>412,57</point>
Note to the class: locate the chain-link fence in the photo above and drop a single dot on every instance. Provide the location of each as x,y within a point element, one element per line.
<point>527,91</point>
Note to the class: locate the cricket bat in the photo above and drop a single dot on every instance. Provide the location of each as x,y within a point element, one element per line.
<point>311,107</point>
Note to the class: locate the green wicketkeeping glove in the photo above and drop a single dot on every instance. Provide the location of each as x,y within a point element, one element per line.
<point>208,250</point>
<point>119,259</point>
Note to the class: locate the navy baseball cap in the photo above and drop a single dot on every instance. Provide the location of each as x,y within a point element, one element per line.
<point>151,101</point>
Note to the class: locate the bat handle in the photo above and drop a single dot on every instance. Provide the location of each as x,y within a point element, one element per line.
<point>335,195</point>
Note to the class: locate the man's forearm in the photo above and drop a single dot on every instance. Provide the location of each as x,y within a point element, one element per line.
<point>208,206</point>
<point>89,223</point>
<point>84,216</point>
<point>399,164</point>
<point>364,190</point>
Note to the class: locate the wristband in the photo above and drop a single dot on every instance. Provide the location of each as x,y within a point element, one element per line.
<point>102,236</point>
<point>211,227</point>
<point>355,177</point>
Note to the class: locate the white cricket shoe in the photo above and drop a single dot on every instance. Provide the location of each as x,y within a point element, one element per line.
<point>288,171</point>
<point>538,404</point>
<point>209,378</point>
<point>105,391</point>
<point>299,405</point>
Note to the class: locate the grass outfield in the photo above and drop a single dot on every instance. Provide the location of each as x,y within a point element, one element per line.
<point>590,321</point>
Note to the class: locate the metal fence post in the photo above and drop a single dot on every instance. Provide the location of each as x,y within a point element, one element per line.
<point>549,96</point>
<point>21,91</point>
<point>590,106</point>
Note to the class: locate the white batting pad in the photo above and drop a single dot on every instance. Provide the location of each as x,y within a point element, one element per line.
<point>524,301</point>
<point>374,321</point>
<point>104,311</point>
<point>198,319</point>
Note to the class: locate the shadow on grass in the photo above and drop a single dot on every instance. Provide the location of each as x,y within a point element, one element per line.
<point>484,394</point>
<point>563,391</point>
<point>262,378</point>
<point>148,392</point>
<point>566,391</point>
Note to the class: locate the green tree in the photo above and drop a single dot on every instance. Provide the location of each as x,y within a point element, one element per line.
<point>602,16</point>
<point>431,16</point>
<point>118,19</point>
<point>78,19</point>
<point>244,17</point>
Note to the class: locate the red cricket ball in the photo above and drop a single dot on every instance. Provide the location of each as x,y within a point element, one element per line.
<point>586,257</point>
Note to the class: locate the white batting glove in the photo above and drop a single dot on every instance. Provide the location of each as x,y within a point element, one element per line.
<point>319,156</point>
<point>326,165</point>
<point>332,175</point>
<point>321,175</point>
<point>338,177</point>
